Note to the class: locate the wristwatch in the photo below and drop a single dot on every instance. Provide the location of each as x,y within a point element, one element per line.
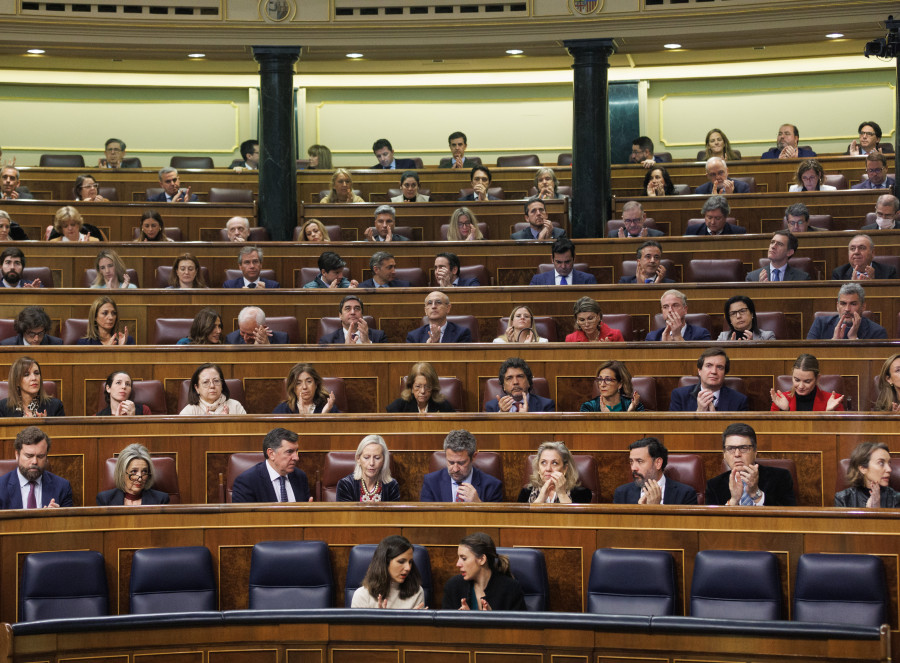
<point>757,494</point>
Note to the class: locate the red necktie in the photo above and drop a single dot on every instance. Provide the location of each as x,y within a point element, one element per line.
<point>32,502</point>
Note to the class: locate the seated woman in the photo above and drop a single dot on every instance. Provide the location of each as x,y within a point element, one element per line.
<point>305,393</point>
<point>547,184</point>
<point>409,189</point>
<point>341,189</point>
<point>740,316</point>
<point>589,325</point>
<point>810,177</point>
<point>70,226</point>
<point>554,478</point>
<point>186,273</point>
<point>485,581</point>
<point>153,229</point>
<point>805,396</point>
<point>658,182</point>
<point>888,399</point>
<point>87,190</point>
<point>422,393</point>
<point>26,393</point>
<point>314,231</point>
<point>616,391</point>
<point>319,157</point>
<point>205,330</point>
<point>520,328</point>
<point>463,226</point>
<point>718,145</point>
<point>371,479</point>
<point>869,476</point>
<point>208,393</point>
<point>392,580</point>
<point>118,392</point>
<point>103,325</point>
<point>134,477</point>
<point>111,271</point>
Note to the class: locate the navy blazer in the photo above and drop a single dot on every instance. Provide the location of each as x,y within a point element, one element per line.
<point>535,404</point>
<point>739,187</point>
<point>575,278</point>
<point>802,153</point>
<point>775,482</point>
<point>466,283</point>
<point>348,490</point>
<point>823,329</point>
<point>691,333</point>
<point>253,485</point>
<point>651,232</point>
<point>684,399</point>
<point>52,488</point>
<point>115,497</point>
<point>633,279</point>
<point>845,272</point>
<point>337,337</point>
<point>396,283</point>
<point>436,487</point>
<point>400,164</point>
<point>18,340</point>
<point>525,233</point>
<point>729,229</point>
<point>239,283</point>
<point>278,337</point>
<point>675,492</point>
<point>161,198</point>
<point>790,274</point>
<point>452,334</point>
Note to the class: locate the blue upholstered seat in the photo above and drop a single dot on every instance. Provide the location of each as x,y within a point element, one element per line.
<point>736,584</point>
<point>840,589</point>
<point>631,582</point>
<point>172,580</point>
<point>290,574</point>
<point>358,564</point>
<point>530,569</point>
<point>56,585</point>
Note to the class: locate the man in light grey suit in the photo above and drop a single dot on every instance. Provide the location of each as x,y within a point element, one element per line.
<point>782,246</point>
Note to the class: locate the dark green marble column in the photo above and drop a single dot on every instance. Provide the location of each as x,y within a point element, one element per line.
<point>592,193</point>
<point>277,207</point>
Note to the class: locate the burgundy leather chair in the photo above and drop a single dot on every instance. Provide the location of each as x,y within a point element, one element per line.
<point>406,231</point>
<point>415,276</point>
<point>715,271</point>
<point>450,387</point>
<point>804,264</point>
<point>73,329</point>
<point>287,324</point>
<point>544,324</point>
<point>773,321</point>
<point>163,273</point>
<point>697,319</point>
<point>338,464</point>
<point>892,261</point>
<point>174,234</point>
<point>622,322</point>
<point>488,462</point>
<point>335,385</point>
<point>644,385</point>
<point>681,189</point>
<point>168,331</point>
<point>90,274</point>
<point>445,228</point>
<point>42,273</point>
<point>182,162</point>
<point>518,161</point>
<point>223,195</point>
<point>148,392</point>
<point>822,221</point>
<point>235,388</point>
<point>257,234</point>
<point>330,325</point>
<point>307,274</point>
<point>748,180</point>
<point>837,180</point>
<point>470,322</point>
<point>165,477</point>
<point>496,191</point>
<point>334,233</point>
<point>564,159</point>
<point>588,473</point>
<point>7,328</point>
<point>237,464</point>
<point>493,391</point>
<point>688,469</point>
<point>49,388</point>
<point>832,383</point>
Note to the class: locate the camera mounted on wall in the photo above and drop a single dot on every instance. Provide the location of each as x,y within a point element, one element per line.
<point>886,47</point>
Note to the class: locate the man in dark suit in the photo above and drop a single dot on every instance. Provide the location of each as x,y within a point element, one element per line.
<point>782,246</point>
<point>10,189</point>
<point>384,151</point>
<point>715,213</point>
<point>851,303</point>
<point>383,265</point>
<point>461,481</point>
<point>539,225</point>
<point>32,325</point>
<point>717,174</point>
<point>649,268</point>
<point>674,307</point>
<point>710,394</point>
<point>788,140</point>
<point>354,328</point>
<point>634,218</point>
<point>446,272</point>
<point>648,458</point>
<point>886,214</point>
<point>31,485</point>
<point>862,266</point>
<point>747,483</point>
<point>252,329</point>
<point>439,329</point>
<point>564,272</point>
<point>12,266</point>
<point>172,191</point>
<point>276,479</point>
<point>383,230</point>
<point>796,219</point>
<point>481,182</point>
<point>877,173</point>
<point>516,381</point>
<point>458,144</point>
<point>250,261</point>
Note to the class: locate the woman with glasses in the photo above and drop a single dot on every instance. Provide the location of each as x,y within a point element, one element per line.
<point>208,393</point>
<point>422,393</point>
<point>118,393</point>
<point>463,226</point>
<point>589,325</point>
<point>810,177</point>
<point>87,190</point>
<point>741,324</point>
<point>134,477</point>
<point>615,392</point>
<point>869,140</point>
<point>409,189</point>
<point>805,395</point>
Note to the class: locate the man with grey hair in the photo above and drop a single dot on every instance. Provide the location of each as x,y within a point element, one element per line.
<point>252,329</point>
<point>634,218</point>
<point>238,229</point>
<point>276,478</point>
<point>674,310</point>
<point>250,261</point>
<point>849,323</point>
<point>172,191</point>
<point>461,481</point>
<point>715,213</point>
<point>796,219</point>
<point>886,214</point>
<point>10,189</point>
<point>717,174</point>
<point>862,266</point>
<point>383,265</point>
<point>383,230</point>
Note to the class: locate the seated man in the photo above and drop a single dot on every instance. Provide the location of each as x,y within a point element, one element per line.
<point>384,151</point>
<point>252,329</point>
<point>796,219</point>
<point>10,189</point>
<point>710,394</point>
<point>887,214</point>
<point>516,381</point>
<point>31,485</point>
<point>539,225</point>
<point>275,479</point>
<point>862,266</point>
<point>12,266</point>
<point>717,174</point>
<point>747,483</point>
<point>481,181</point>
<point>331,273</point>
<point>32,326</point>
<point>172,191</point>
<point>250,155</point>
<point>458,144</point>
<point>648,458</point>
<point>788,140</point>
<point>649,265</point>
<point>642,152</point>
<point>461,481</point>
<point>383,265</point>
<point>238,229</point>
<point>633,217</point>
<point>564,272</point>
<point>250,261</point>
<point>383,230</point>
<point>446,272</point>
<point>674,307</point>
<point>113,154</point>
<point>782,246</point>
<point>354,328</point>
<point>876,169</point>
<point>715,213</point>
<point>849,323</point>
<point>439,329</point>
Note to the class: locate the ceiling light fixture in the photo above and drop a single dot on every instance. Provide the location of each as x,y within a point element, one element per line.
<point>671,46</point>
<point>354,56</point>
<point>36,51</point>
<point>835,35</point>
<point>515,51</point>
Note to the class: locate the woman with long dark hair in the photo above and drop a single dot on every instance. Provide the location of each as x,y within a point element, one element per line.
<point>392,581</point>
<point>485,581</point>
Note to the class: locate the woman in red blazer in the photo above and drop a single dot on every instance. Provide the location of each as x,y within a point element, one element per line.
<point>805,394</point>
<point>589,326</point>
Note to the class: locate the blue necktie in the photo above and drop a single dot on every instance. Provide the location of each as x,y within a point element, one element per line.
<point>562,280</point>
<point>283,490</point>
<point>746,500</point>
<point>776,274</point>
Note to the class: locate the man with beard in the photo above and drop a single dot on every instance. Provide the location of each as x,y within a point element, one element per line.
<point>30,485</point>
<point>648,458</point>
<point>12,265</point>
<point>516,381</point>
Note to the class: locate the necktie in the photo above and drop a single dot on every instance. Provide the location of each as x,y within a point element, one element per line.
<point>251,285</point>
<point>458,496</point>
<point>283,490</point>
<point>562,280</point>
<point>746,500</point>
<point>776,274</point>
<point>32,502</point>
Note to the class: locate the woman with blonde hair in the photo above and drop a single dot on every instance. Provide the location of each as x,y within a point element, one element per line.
<point>463,226</point>
<point>314,231</point>
<point>134,476</point>
<point>520,328</point>
<point>422,393</point>
<point>371,479</point>
<point>341,189</point>
<point>69,223</point>
<point>27,397</point>
<point>888,399</point>
<point>554,478</point>
<point>111,271</point>
<point>805,395</point>
<point>589,325</point>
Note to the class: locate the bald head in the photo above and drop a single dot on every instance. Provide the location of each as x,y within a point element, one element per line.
<point>238,229</point>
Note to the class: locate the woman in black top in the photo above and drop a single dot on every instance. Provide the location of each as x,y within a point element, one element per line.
<point>422,393</point>
<point>118,392</point>
<point>371,480</point>
<point>869,476</point>
<point>26,393</point>
<point>306,393</point>
<point>485,581</point>
<point>134,475</point>
<point>554,478</point>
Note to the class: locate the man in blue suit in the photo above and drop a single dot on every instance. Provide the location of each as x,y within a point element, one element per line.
<point>649,268</point>
<point>674,307</point>
<point>461,481</point>
<point>354,328</point>
<point>446,272</point>
<point>719,183</point>
<point>12,266</point>
<point>564,272</point>
<point>276,479</point>
<point>250,261</point>
<point>383,265</point>
<point>252,329</point>
<point>172,191</point>
<point>516,380</point>
<point>788,145</point>
<point>715,213</point>
<point>386,161</point>
<point>540,227</point>
<point>648,458</point>
<point>32,325</point>
<point>710,394</point>
<point>439,329</point>
<point>31,485</point>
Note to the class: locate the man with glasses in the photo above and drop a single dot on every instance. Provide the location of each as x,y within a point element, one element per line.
<point>876,169</point>
<point>438,328</point>
<point>32,326</point>
<point>717,174</point>
<point>461,481</point>
<point>252,329</point>
<point>782,246</point>
<point>114,152</point>
<point>796,219</point>
<point>887,214</point>
<point>12,266</point>
<point>862,266</point>
<point>748,483</point>
<point>633,218</point>
<point>788,140</point>
<point>710,393</point>
<point>869,138</point>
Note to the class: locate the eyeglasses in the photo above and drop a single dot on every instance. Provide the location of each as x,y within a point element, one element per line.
<point>134,474</point>
<point>212,383</point>
<point>89,186</point>
<point>797,224</point>
<point>605,380</point>
<point>866,133</point>
<point>740,311</point>
<point>35,333</point>
<point>464,223</point>
<point>435,302</point>
<point>874,171</point>
<point>421,387</point>
<point>744,449</point>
